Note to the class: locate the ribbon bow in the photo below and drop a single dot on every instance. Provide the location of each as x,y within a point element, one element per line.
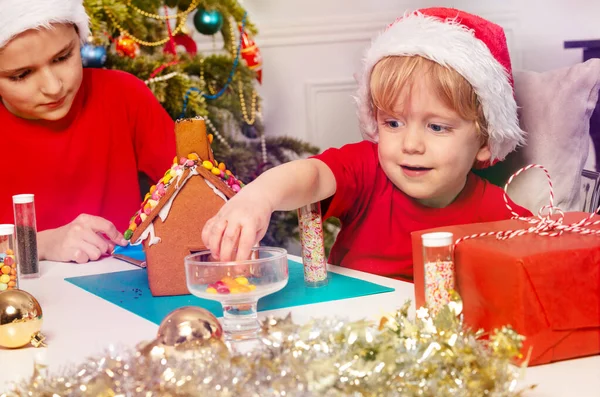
<point>543,224</point>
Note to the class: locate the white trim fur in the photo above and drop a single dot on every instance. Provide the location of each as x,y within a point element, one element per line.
<point>18,16</point>
<point>450,44</point>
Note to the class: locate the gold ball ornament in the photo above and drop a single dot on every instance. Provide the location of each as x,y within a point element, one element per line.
<point>189,324</point>
<point>20,320</point>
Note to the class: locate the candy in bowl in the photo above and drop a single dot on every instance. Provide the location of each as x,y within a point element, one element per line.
<point>238,285</point>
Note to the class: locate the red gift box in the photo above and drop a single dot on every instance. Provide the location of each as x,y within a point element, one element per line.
<point>546,288</point>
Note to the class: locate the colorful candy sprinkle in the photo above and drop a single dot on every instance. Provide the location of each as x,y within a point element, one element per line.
<point>439,282</point>
<point>313,248</point>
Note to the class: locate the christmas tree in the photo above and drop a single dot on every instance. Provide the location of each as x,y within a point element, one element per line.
<point>150,39</point>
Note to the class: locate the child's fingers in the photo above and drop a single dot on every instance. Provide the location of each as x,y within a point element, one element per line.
<point>101,225</point>
<point>216,236</point>
<point>230,239</point>
<point>95,239</point>
<point>86,252</point>
<point>247,241</point>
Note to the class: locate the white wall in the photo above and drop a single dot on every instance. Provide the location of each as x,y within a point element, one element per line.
<point>312,48</point>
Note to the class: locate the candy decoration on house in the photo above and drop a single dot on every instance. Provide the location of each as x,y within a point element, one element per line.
<point>208,22</point>
<point>194,188</point>
<point>20,320</point>
<point>251,54</point>
<point>395,356</point>
<point>127,47</point>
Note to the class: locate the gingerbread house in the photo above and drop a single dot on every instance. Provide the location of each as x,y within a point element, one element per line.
<point>170,220</point>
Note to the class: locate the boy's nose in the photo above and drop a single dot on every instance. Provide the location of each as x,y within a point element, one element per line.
<point>51,84</point>
<point>413,142</point>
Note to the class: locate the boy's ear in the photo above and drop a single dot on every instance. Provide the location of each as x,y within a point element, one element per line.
<point>484,154</point>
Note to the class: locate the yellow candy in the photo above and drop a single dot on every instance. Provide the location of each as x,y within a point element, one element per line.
<point>132,226</point>
<point>222,166</point>
<point>147,206</point>
<point>147,196</point>
<point>175,160</point>
<point>207,164</point>
<point>252,287</point>
<point>216,171</point>
<point>210,138</point>
<point>193,156</point>
<point>228,281</point>
<point>235,290</point>
<point>5,278</point>
<point>244,288</point>
<point>167,178</point>
<point>211,290</point>
<point>5,269</point>
<point>9,252</point>
<point>152,189</point>
<point>241,280</point>
<point>152,203</point>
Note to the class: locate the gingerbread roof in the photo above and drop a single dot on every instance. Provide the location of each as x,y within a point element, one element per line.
<point>194,159</point>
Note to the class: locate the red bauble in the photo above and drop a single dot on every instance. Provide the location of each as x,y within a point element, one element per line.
<point>250,53</point>
<point>180,43</point>
<point>126,47</point>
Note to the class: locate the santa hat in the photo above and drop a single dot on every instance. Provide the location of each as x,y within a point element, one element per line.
<point>472,46</point>
<point>18,16</point>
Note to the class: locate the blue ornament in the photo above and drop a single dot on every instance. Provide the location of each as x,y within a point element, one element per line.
<point>208,22</point>
<point>93,56</point>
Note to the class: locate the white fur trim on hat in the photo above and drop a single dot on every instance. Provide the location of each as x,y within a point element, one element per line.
<point>453,45</point>
<point>18,16</point>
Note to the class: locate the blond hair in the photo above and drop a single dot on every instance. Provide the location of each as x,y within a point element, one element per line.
<point>392,76</point>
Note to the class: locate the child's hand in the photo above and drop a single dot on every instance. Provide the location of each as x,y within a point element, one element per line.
<point>238,226</point>
<point>86,238</point>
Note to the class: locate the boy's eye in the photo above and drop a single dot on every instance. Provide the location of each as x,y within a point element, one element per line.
<point>393,123</point>
<point>63,57</point>
<point>20,76</point>
<point>437,127</point>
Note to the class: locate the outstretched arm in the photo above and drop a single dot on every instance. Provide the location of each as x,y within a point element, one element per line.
<point>242,221</point>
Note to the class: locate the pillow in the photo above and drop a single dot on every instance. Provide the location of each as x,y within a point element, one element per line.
<point>554,109</point>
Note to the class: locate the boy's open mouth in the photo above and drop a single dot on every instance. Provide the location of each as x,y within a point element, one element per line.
<point>415,168</point>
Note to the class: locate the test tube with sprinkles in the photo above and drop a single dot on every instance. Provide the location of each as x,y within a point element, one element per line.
<point>438,267</point>
<point>9,276</point>
<point>313,245</point>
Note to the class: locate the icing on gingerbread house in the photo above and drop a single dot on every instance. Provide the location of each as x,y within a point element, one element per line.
<point>170,220</point>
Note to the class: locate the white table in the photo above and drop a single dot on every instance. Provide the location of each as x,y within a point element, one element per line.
<point>78,324</point>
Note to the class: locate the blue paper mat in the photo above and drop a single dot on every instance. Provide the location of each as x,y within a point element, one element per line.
<point>129,290</point>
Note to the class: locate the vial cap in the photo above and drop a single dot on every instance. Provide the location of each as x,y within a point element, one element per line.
<point>7,230</point>
<point>23,198</point>
<point>439,239</point>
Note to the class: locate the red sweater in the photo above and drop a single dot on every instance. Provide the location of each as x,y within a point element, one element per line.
<point>377,218</point>
<point>88,162</point>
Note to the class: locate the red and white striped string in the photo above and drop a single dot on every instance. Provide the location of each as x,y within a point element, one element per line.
<point>543,224</point>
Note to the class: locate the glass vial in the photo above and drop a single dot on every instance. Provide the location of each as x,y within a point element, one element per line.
<point>313,245</point>
<point>9,276</point>
<point>26,230</point>
<point>438,266</point>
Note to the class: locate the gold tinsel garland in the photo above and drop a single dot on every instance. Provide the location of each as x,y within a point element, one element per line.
<point>397,357</point>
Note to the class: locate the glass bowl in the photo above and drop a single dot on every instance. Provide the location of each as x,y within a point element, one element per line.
<point>238,285</point>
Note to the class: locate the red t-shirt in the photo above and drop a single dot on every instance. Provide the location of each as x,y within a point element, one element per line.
<point>88,162</point>
<point>378,218</point>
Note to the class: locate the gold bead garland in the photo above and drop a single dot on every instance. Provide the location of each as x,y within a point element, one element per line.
<point>124,31</point>
<point>253,109</point>
<point>182,14</point>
